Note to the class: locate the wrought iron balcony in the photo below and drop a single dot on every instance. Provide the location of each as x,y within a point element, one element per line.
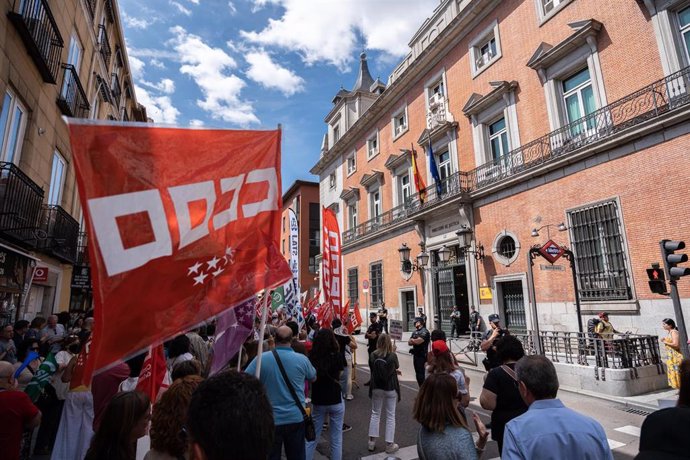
<point>62,233</point>
<point>92,7</point>
<point>109,10</point>
<point>645,104</point>
<point>82,249</point>
<point>72,99</point>
<point>20,205</point>
<point>116,89</point>
<point>104,45</point>
<point>38,30</point>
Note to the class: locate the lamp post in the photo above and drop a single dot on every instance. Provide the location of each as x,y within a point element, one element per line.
<point>464,235</point>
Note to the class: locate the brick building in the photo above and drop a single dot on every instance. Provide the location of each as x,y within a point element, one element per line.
<point>539,113</point>
<point>303,198</point>
<point>57,59</point>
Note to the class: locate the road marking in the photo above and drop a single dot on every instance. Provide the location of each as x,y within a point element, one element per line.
<point>615,444</point>
<point>405,453</point>
<point>629,429</point>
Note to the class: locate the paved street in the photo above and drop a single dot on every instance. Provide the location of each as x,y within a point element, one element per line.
<point>622,428</point>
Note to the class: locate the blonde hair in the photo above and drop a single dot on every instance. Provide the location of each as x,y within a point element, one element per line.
<point>384,345</point>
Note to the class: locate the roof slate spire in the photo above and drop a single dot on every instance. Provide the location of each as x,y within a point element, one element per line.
<point>364,80</point>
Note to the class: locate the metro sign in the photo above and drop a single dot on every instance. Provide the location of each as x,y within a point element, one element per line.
<point>551,251</point>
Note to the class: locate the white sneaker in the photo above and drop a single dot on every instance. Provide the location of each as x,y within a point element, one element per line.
<point>390,448</point>
<point>371,445</point>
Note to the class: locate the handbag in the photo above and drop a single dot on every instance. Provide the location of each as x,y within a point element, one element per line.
<point>309,429</point>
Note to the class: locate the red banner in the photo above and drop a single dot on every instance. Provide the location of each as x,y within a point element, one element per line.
<point>185,225</point>
<point>153,377</point>
<point>355,318</point>
<point>331,260</point>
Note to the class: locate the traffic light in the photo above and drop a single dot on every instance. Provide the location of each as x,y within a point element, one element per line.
<point>657,280</point>
<point>671,260</point>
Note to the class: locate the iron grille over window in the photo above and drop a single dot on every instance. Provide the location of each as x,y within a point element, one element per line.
<point>352,286</point>
<point>599,252</point>
<point>506,247</point>
<point>376,276</point>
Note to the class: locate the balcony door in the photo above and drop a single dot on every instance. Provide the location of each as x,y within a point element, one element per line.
<point>578,96</point>
<point>12,127</point>
<point>74,59</point>
<point>57,179</point>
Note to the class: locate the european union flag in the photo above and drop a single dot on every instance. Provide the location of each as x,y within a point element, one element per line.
<point>434,169</point>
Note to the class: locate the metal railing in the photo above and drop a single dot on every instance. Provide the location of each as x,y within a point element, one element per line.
<point>104,45</point>
<point>72,99</point>
<point>39,32</point>
<point>623,351</point>
<point>62,232</point>
<point>20,204</point>
<point>453,186</point>
<point>92,7</point>
<point>116,89</point>
<point>109,10</point>
<point>647,103</point>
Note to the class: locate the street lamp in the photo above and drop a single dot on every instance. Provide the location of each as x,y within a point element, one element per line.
<point>464,236</point>
<point>561,228</point>
<point>406,265</point>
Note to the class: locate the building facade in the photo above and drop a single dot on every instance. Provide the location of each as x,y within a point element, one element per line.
<point>303,199</point>
<point>57,59</point>
<point>563,120</point>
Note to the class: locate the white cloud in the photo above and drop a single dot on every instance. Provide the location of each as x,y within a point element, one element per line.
<point>157,63</point>
<point>196,123</point>
<point>233,9</point>
<point>209,67</point>
<point>136,65</point>
<point>136,23</point>
<point>196,2</point>
<point>324,30</point>
<point>158,108</point>
<point>166,85</point>
<point>268,74</point>
<point>182,9</point>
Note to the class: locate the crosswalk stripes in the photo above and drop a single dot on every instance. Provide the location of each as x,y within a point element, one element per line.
<point>615,444</point>
<point>405,453</point>
<point>629,429</point>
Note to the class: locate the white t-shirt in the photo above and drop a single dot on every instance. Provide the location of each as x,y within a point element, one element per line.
<point>61,388</point>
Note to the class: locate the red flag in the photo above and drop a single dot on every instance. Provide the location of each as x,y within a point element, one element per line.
<point>152,378</point>
<point>310,305</point>
<point>325,314</point>
<point>185,225</point>
<point>331,260</point>
<point>78,375</point>
<point>356,317</point>
<point>418,181</point>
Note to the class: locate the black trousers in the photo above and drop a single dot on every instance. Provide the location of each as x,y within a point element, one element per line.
<point>419,362</point>
<point>292,437</point>
<point>454,328</point>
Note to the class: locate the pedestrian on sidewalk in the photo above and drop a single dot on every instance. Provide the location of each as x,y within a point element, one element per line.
<point>346,343</point>
<point>444,434</point>
<point>384,392</point>
<point>419,341</point>
<point>455,322</point>
<point>549,429</point>
<point>383,317</point>
<point>488,344</point>
<point>374,330</point>
<point>289,421</point>
<point>664,434</point>
<point>672,345</point>
<point>17,413</point>
<point>500,393</point>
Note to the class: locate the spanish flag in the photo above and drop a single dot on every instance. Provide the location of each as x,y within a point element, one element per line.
<point>418,181</point>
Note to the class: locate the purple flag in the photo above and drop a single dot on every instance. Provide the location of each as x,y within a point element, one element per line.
<point>233,327</point>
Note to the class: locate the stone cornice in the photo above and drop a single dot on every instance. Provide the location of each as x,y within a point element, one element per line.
<point>478,103</point>
<point>545,54</point>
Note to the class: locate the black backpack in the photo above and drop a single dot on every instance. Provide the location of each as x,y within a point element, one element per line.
<point>382,370</point>
<point>592,325</point>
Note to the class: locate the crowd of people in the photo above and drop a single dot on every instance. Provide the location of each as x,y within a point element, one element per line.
<point>304,379</point>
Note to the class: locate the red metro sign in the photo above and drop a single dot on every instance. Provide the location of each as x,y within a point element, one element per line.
<point>551,251</point>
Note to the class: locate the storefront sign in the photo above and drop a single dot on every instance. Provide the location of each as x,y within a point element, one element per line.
<point>485,293</point>
<point>553,268</point>
<point>40,274</point>
<point>81,277</point>
<point>395,329</point>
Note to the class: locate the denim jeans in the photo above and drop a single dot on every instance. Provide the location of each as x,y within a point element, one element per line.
<point>383,401</point>
<point>345,379</point>
<point>292,436</point>
<point>336,412</point>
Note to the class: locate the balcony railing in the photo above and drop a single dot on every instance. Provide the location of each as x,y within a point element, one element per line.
<point>82,249</point>
<point>645,104</point>
<point>20,205</point>
<point>72,99</point>
<point>109,10</point>
<point>38,30</point>
<point>104,45</point>
<point>116,89</point>
<point>62,233</point>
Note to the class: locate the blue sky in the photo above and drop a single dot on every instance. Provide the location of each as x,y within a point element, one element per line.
<point>260,63</point>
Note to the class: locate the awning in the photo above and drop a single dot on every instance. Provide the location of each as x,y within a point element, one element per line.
<point>20,252</point>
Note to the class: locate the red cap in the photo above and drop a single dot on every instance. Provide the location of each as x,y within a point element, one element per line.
<point>438,347</point>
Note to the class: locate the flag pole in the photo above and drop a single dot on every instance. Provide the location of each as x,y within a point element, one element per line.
<point>239,359</point>
<point>264,315</point>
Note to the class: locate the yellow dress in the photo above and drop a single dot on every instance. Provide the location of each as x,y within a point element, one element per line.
<point>673,361</point>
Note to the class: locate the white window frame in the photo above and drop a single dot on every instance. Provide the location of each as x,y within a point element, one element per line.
<point>332,180</point>
<point>666,23</point>
<point>405,190</point>
<point>498,135</point>
<point>351,163</point>
<point>13,105</point>
<point>57,178</point>
<point>74,44</point>
<point>557,6</point>
<point>488,34</point>
<point>504,108</point>
<point>398,129</point>
<point>373,145</point>
<point>684,30</point>
<point>375,204</point>
<point>335,131</point>
<point>352,215</point>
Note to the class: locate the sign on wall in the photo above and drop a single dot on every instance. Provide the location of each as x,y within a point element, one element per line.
<point>40,274</point>
<point>485,293</point>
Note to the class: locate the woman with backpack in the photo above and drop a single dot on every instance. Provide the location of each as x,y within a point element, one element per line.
<point>384,392</point>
